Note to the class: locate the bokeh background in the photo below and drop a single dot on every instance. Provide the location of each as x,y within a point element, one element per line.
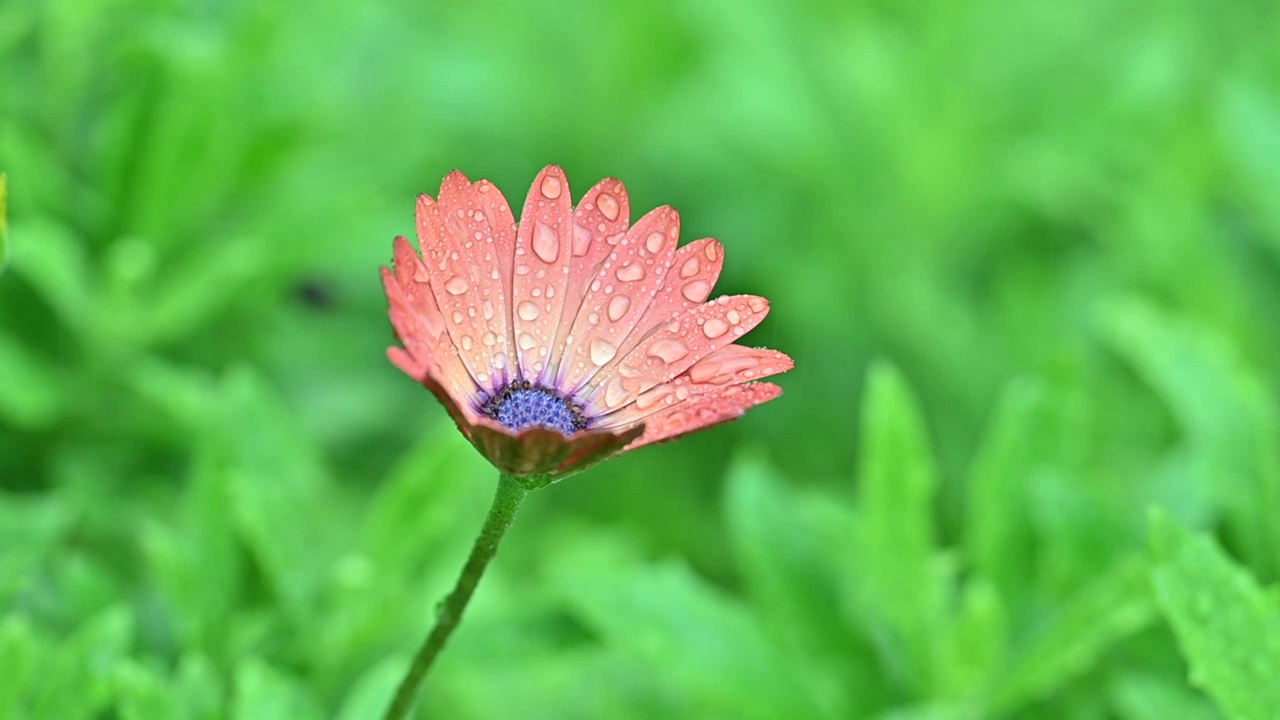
<point>1026,256</point>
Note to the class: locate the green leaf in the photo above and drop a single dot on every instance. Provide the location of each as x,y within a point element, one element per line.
<point>76,680</point>
<point>22,653</point>
<point>264,693</point>
<point>706,645</point>
<point>31,394</point>
<point>144,695</point>
<point>976,641</point>
<point>1108,610</point>
<point>1227,627</point>
<point>902,586</point>
<point>280,492</point>
<point>998,537</point>
<point>1226,413</point>
<point>1139,696</point>
<point>794,559</point>
<point>4,222</point>
<point>56,263</point>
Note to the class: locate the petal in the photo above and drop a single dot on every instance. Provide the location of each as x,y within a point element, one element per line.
<point>619,296</point>
<point>730,365</point>
<point>470,296</point>
<point>498,212</point>
<point>674,348</point>
<point>541,275</point>
<point>704,411</point>
<point>545,452</point>
<point>419,324</point>
<point>460,413</point>
<point>600,221</point>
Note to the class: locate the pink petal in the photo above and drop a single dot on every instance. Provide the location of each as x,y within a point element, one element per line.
<point>599,223</point>
<point>674,348</point>
<point>460,412</point>
<point>498,212</point>
<point>619,295</point>
<point>544,244</point>
<point>461,292</point>
<point>730,365</point>
<point>419,323</point>
<point>705,411</point>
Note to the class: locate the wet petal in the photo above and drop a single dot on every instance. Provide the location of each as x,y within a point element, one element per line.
<point>704,411</point>
<point>674,348</point>
<point>618,297</point>
<point>541,272</point>
<point>730,365</point>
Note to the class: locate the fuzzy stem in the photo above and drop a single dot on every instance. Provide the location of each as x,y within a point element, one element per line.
<point>505,503</point>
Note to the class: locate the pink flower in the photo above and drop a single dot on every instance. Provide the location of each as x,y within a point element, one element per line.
<point>574,335</point>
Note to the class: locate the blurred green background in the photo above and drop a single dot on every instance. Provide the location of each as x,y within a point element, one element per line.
<point>1026,256</point>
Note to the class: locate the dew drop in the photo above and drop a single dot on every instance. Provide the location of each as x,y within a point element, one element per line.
<point>696,291</point>
<point>715,327</point>
<point>551,187</point>
<point>614,392</point>
<point>522,269</point>
<point>456,285</point>
<point>618,307</point>
<point>545,243</point>
<point>526,341</point>
<point>757,304</point>
<point>733,317</point>
<point>682,393</point>
<point>690,267</point>
<point>500,360</point>
<point>467,343</point>
<point>581,240</point>
<point>527,311</point>
<point>608,205</point>
<point>488,310</point>
<point>654,242</point>
<point>595,286</point>
<point>489,339</point>
<point>647,400</point>
<point>668,350</point>
<point>712,251</point>
<point>631,273</point>
<point>457,317</point>
<point>602,351</point>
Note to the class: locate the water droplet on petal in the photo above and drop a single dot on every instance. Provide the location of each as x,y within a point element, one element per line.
<point>602,351</point>
<point>654,242</point>
<point>500,360</point>
<point>489,339</point>
<point>456,285</point>
<point>696,291</point>
<point>551,187</point>
<point>618,307</point>
<point>690,267</point>
<point>581,240</point>
<point>631,273</point>
<point>682,393</point>
<point>467,343</point>
<point>757,304</point>
<point>526,341</point>
<point>733,317</point>
<point>545,243</point>
<point>647,400</point>
<point>668,350</point>
<point>715,327</point>
<point>488,310</point>
<point>527,310</point>
<point>457,317</point>
<point>712,251</point>
<point>614,393</point>
<point>608,205</point>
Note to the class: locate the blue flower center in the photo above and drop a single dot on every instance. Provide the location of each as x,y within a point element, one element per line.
<point>523,405</point>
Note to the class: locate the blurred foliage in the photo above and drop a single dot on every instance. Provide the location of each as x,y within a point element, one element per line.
<point>1058,224</point>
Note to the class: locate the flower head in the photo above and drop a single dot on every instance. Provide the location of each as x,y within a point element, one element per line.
<point>574,335</point>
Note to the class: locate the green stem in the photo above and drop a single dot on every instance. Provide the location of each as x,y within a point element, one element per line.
<point>501,513</point>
